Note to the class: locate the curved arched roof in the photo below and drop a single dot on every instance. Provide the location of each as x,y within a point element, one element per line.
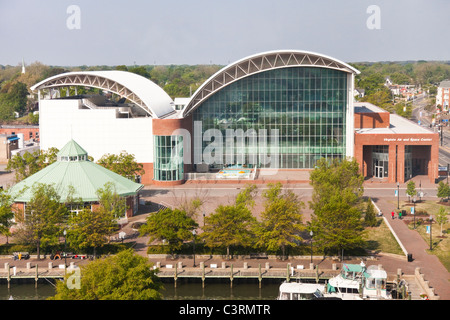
<point>259,63</point>
<point>141,91</point>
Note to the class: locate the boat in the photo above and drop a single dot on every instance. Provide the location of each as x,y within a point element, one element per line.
<point>300,291</point>
<point>356,282</point>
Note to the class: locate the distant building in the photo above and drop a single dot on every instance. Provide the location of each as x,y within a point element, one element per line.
<point>8,143</point>
<point>443,94</point>
<point>73,169</point>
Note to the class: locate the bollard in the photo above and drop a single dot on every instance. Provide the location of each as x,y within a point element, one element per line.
<point>180,264</point>
<point>245,265</point>
<point>224,265</point>
<point>50,266</point>
<point>202,265</point>
<point>158,264</point>
<point>267,266</point>
<point>334,267</point>
<point>311,266</point>
<point>28,265</point>
<point>6,266</point>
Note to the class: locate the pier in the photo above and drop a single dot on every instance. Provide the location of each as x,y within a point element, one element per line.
<point>34,272</point>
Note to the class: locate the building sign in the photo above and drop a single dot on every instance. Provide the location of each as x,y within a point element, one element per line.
<point>408,139</point>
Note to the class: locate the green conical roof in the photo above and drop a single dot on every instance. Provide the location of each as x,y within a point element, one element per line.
<point>72,149</point>
<point>84,176</point>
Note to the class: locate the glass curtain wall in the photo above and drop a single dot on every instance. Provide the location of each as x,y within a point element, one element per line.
<point>168,158</point>
<point>306,104</point>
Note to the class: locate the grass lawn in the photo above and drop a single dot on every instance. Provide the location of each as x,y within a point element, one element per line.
<point>380,238</point>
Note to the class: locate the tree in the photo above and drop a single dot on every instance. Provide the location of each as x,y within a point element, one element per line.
<point>6,213</point>
<point>411,189</point>
<point>171,225</point>
<point>231,225</point>
<point>443,190</point>
<point>370,217</point>
<point>41,223</point>
<point>337,188</point>
<point>281,219</point>
<point>124,164</point>
<point>441,217</point>
<point>89,229</point>
<point>29,163</point>
<point>125,276</point>
<point>110,202</point>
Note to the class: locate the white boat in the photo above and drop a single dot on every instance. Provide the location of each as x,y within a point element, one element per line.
<point>356,282</point>
<point>300,291</point>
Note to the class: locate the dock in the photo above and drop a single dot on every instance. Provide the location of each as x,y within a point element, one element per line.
<point>225,272</point>
<point>11,273</point>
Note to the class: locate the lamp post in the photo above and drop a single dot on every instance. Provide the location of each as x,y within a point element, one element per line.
<point>203,218</point>
<point>431,233</point>
<point>398,196</point>
<point>311,234</point>
<point>414,212</point>
<point>65,248</point>
<point>194,233</point>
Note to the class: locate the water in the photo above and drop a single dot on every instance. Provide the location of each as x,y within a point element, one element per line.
<point>185,290</point>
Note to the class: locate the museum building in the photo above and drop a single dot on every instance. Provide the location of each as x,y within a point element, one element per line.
<point>271,112</point>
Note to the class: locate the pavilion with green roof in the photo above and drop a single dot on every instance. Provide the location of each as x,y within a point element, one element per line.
<point>73,170</point>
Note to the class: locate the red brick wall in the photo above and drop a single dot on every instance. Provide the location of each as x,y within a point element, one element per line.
<point>26,132</point>
<point>399,141</point>
<point>372,120</point>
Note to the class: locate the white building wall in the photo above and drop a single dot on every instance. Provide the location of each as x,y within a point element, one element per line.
<point>98,131</point>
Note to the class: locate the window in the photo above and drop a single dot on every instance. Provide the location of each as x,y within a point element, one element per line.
<point>168,163</point>
<point>307,106</point>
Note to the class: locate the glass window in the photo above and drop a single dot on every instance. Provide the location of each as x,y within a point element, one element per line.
<point>307,106</point>
<point>168,163</point>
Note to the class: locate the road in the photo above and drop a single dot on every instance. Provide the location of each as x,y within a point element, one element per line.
<point>420,114</point>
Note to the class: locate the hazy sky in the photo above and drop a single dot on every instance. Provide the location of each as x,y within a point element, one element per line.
<point>219,32</point>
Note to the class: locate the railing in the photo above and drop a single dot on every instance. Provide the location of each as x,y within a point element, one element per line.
<point>89,104</point>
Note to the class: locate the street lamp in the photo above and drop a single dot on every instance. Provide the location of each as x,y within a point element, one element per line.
<point>414,213</point>
<point>194,233</point>
<point>431,233</point>
<point>311,234</point>
<point>398,195</point>
<point>65,248</point>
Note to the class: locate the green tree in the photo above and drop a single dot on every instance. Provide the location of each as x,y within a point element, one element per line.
<point>125,276</point>
<point>124,164</point>
<point>443,190</point>
<point>231,225</point>
<point>41,223</point>
<point>110,202</point>
<point>29,163</point>
<point>6,213</point>
<point>335,221</point>
<point>89,229</point>
<point>171,225</point>
<point>370,219</point>
<point>441,217</point>
<point>411,189</point>
<point>281,222</point>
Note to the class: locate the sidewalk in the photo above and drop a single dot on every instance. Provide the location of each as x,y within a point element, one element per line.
<point>429,265</point>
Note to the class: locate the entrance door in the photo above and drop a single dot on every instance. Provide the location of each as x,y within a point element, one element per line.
<point>379,172</point>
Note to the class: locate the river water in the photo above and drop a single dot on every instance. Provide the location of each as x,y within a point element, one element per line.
<point>183,291</point>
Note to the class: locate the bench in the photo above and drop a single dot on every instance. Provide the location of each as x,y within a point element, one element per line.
<point>258,256</point>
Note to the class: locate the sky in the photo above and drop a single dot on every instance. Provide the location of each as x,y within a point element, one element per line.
<point>100,32</point>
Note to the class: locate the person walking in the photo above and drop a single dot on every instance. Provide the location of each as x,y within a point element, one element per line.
<point>392,213</point>
<point>400,215</point>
